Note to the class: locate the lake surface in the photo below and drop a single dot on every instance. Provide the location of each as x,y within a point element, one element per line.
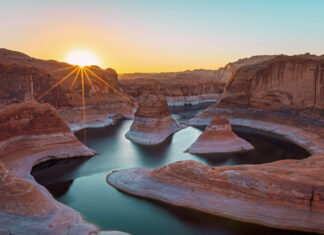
<point>81,182</point>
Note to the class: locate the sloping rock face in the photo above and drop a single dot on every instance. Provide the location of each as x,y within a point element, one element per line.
<point>20,197</point>
<point>294,82</point>
<point>185,88</point>
<point>26,79</point>
<point>286,194</point>
<point>219,138</point>
<point>153,122</point>
<point>32,133</point>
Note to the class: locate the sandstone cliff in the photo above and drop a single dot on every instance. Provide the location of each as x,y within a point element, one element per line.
<point>153,122</point>
<point>295,82</point>
<point>218,137</point>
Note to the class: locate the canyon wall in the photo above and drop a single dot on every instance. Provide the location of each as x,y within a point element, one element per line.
<point>295,82</point>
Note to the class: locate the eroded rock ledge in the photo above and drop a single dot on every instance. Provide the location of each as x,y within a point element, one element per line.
<point>286,194</point>
<point>30,134</point>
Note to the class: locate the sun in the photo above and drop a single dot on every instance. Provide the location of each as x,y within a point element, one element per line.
<point>82,58</point>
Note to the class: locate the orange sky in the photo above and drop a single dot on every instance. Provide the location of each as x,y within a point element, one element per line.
<point>160,36</point>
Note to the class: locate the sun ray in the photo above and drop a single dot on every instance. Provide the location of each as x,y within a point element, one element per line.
<point>83,104</point>
<point>91,84</point>
<point>107,84</point>
<point>57,70</point>
<point>75,78</point>
<point>56,84</point>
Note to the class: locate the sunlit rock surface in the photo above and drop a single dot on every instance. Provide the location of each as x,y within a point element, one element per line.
<point>218,137</point>
<point>24,79</point>
<point>153,122</point>
<point>282,82</point>
<point>32,133</point>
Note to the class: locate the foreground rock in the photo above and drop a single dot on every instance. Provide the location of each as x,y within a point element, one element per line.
<point>219,138</point>
<point>153,122</point>
<point>287,194</point>
<point>32,133</point>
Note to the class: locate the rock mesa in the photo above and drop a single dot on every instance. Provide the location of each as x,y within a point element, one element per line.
<point>153,122</point>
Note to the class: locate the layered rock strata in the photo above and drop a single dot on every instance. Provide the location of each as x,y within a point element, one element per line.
<point>286,194</point>
<point>218,137</point>
<point>153,121</point>
<point>294,82</point>
<point>32,133</point>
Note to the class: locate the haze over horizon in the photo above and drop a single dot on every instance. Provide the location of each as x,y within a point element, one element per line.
<point>162,36</point>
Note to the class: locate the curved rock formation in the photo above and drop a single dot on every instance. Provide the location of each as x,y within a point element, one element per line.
<point>30,134</point>
<point>218,137</point>
<point>153,122</point>
<point>287,194</point>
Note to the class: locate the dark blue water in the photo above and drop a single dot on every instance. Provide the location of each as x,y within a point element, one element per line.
<point>80,183</point>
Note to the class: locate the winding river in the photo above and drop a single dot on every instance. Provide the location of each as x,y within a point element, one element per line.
<point>80,183</point>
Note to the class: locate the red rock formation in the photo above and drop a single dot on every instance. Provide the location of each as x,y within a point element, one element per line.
<point>20,197</point>
<point>218,137</point>
<point>32,133</point>
<point>153,122</point>
<point>294,82</point>
<point>286,194</point>
<point>25,79</point>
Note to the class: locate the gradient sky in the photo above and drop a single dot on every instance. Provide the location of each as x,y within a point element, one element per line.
<point>162,35</point>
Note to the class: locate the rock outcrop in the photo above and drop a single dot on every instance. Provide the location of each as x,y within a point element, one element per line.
<point>153,121</point>
<point>294,82</point>
<point>32,133</point>
<point>218,137</point>
<point>24,79</point>
<point>287,194</point>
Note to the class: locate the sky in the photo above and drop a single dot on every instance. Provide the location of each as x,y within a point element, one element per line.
<point>162,35</point>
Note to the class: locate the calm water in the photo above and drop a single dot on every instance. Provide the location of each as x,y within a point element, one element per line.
<point>81,183</point>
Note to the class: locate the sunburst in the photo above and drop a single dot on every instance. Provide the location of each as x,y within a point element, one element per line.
<point>82,73</point>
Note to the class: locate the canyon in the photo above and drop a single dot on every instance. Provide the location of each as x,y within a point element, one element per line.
<point>282,96</point>
<point>278,94</point>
